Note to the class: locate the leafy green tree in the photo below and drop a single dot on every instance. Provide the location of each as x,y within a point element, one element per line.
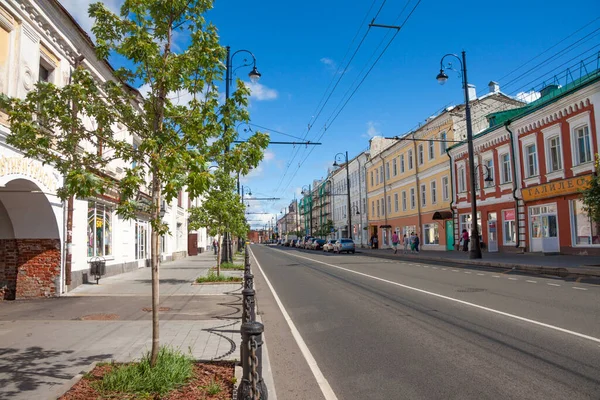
<point>591,196</point>
<point>220,212</point>
<point>173,141</point>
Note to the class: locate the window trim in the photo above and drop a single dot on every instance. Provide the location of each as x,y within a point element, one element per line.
<point>423,195</point>
<point>445,187</point>
<point>431,150</point>
<point>433,190</point>
<point>443,143</point>
<point>413,199</point>
<point>420,154</point>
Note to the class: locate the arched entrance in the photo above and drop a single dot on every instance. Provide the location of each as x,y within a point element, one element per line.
<point>30,242</point>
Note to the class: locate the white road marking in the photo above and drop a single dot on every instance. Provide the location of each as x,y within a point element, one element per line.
<point>455,270</point>
<point>444,269</point>
<point>553,284</point>
<point>481,274</point>
<point>441,296</point>
<point>321,381</point>
<point>531,281</point>
<point>495,276</point>
<point>425,266</point>
<point>467,272</point>
<point>435,267</point>
<point>513,279</point>
<point>579,288</point>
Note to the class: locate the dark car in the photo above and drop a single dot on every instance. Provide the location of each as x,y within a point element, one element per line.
<point>318,244</point>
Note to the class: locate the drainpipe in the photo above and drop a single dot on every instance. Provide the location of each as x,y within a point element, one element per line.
<point>385,214</point>
<point>418,188</point>
<point>514,176</point>
<point>366,197</point>
<point>451,185</point>
<point>69,233</point>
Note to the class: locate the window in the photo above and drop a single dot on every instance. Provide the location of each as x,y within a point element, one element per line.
<point>477,169</point>
<point>421,156</point>
<point>584,230</point>
<point>180,199</point>
<point>506,171</point>
<point>372,208</point>
<point>462,180</point>
<point>423,193</point>
<point>372,184</point>
<point>99,230</point>
<point>141,240</point>
<point>395,167</point>
<point>387,170</point>
<point>489,163</point>
<point>389,204</point>
<point>378,208</point>
<point>431,150</point>
<point>433,193</point>
<point>430,235</point>
<point>554,155</point>
<point>402,163</point>
<point>445,194</point>
<point>412,198</point>
<point>381,177</point>
<point>410,159</point>
<point>396,202</point>
<point>377,176</point>
<point>583,151</point>
<point>509,227</point>
<point>531,160</point>
<point>403,201</point>
<point>443,144</point>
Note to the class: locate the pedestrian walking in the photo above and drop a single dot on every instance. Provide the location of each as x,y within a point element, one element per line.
<point>215,245</point>
<point>464,240</point>
<point>395,242</point>
<point>417,242</point>
<point>412,242</point>
<point>406,241</point>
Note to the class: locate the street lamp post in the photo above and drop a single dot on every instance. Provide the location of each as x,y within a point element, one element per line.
<point>335,164</point>
<point>254,77</point>
<point>442,78</point>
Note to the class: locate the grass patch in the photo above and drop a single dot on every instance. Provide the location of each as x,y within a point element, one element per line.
<point>213,387</point>
<point>212,277</point>
<point>232,266</point>
<point>172,369</point>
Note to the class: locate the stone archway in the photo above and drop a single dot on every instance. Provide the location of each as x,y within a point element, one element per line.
<point>30,249</point>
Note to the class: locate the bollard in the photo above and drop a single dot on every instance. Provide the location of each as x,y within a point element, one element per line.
<point>252,386</point>
<point>248,313</point>
<point>248,281</point>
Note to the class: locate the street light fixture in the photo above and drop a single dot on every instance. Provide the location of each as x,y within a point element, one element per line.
<point>335,164</point>
<point>355,207</point>
<point>442,78</point>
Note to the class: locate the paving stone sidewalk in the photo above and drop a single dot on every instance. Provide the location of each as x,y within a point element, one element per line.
<point>44,343</point>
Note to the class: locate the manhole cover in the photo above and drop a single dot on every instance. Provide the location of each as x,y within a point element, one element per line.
<point>149,309</point>
<point>99,317</point>
<point>471,290</point>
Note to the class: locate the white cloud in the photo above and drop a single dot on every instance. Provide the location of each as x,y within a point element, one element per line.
<point>269,156</point>
<point>79,10</point>
<point>528,97</point>
<point>329,62</point>
<point>261,92</point>
<point>371,130</point>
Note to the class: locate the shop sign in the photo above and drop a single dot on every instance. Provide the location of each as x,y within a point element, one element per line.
<point>509,215</point>
<point>29,168</point>
<point>559,188</point>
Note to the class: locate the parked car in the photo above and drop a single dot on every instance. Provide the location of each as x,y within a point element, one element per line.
<point>308,243</point>
<point>304,242</point>
<point>346,245</point>
<point>328,246</point>
<point>294,243</point>
<point>317,244</point>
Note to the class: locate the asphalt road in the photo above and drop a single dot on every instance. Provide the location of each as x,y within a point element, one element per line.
<point>383,329</point>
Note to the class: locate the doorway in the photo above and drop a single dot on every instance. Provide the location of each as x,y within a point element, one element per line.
<point>544,229</point>
<point>449,235</point>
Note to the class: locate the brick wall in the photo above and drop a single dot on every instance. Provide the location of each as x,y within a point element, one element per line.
<point>29,268</point>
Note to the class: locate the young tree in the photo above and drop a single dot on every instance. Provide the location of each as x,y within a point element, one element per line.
<point>174,141</point>
<point>221,211</point>
<point>591,196</point>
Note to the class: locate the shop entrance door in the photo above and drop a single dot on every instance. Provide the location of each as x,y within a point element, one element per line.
<point>449,235</point>
<point>492,236</point>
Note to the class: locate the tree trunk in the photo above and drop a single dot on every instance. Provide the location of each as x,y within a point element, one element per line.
<point>156,195</point>
<point>219,240</point>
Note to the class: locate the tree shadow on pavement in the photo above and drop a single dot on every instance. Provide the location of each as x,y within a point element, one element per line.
<point>32,368</point>
<point>167,281</point>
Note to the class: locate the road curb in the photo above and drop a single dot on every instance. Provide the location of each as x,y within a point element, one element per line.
<point>65,387</point>
<point>544,270</point>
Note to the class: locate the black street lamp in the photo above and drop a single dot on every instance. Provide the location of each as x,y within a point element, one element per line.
<point>335,164</point>
<point>254,77</point>
<point>442,78</point>
<point>355,207</point>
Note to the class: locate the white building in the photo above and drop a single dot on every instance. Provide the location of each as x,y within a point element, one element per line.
<point>39,40</point>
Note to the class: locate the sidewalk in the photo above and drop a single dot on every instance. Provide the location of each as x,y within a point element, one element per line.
<point>561,265</point>
<point>45,343</point>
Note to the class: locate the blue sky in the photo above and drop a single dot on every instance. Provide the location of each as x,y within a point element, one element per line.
<point>300,49</point>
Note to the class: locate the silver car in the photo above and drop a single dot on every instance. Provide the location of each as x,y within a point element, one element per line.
<point>346,245</point>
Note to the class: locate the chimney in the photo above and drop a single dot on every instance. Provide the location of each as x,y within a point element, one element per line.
<point>472,92</point>
<point>548,89</point>
<point>494,87</point>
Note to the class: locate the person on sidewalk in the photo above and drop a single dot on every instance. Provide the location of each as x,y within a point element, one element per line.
<point>395,241</point>
<point>215,244</point>
<point>464,240</point>
<point>406,242</point>
<point>417,242</point>
<point>412,242</point>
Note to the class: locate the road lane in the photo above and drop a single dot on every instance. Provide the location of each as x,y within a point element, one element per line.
<point>378,341</point>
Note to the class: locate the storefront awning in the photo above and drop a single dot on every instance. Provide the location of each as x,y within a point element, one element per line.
<point>385,226</point>
<point>440,215</point>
